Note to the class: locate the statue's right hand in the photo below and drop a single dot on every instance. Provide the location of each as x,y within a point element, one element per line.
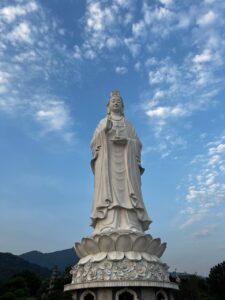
<point>109,125</point>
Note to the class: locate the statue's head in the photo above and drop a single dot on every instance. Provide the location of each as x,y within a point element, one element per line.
<point>115,103</point>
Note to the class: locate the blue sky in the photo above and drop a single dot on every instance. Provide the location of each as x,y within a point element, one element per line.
<point>59,61</point>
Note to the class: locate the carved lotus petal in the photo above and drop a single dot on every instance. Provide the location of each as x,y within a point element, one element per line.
<point>85,259</point>
<point>80,250</point>
<point>161,250</point>
<point>96,237</point>
<point>115,255</point>
<point>131,255</point>
<point>155,258</point>
<point>90,246</point>
<point>133,236</point>
<point>114,235</point>
<point>99,257</point>
<point>106,244</point>
<point>153,247</point>
<point>124,243</point>
<point>140,245</point>
<point>149,257</point>
<point>149,239</point>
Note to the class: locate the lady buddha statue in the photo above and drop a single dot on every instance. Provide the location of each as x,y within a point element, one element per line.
<point>116,149</point>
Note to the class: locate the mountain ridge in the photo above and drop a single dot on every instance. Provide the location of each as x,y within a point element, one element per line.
<point>11,264</point>
<point>61,258</point>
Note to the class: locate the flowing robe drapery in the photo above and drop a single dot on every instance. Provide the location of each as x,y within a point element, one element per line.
<point>117,193</point>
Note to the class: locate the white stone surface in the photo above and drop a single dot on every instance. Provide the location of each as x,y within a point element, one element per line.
<point>118,253</point>
<point>119,268</point>
<point>116,149</point>
<point>119,283</point>
<point>120,241</point>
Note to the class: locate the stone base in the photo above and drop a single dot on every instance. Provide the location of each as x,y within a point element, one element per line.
<point>123,269</point>
<point>121,266</point>
<point>127,292</point>
<point>109,280</point>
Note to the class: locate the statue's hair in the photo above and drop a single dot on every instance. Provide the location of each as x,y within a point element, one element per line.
<point>117,94</point>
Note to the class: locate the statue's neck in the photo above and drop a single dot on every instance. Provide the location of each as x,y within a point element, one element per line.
<point>116,116</point>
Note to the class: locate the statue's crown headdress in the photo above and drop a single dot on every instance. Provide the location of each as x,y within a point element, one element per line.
<point>115,93</point>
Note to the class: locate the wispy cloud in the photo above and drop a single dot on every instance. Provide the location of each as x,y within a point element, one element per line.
<point>33,58</point>
<point>121,70</point>
<point>189,85</point>
<point>166,112</point>
<point>205,232</point>
<point>207,19</point>
<point>206,187</point>
<point>10,13</point>
<point>21,33</point>
<point>54,116</point>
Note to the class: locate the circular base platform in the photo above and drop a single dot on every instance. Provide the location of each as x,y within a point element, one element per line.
<point>133,283</point>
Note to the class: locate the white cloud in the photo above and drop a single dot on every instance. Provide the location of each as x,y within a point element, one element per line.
<point>89,54</point>
<point>53,115</point>
<point>162,13</point>
<point>21,33</point>
<point>137,66</point>
<point>128,17</point>
<point>159,94</point>
<point>123,3</point>
<point>121,70</point>
<point>193,194</point>
<point>112,42</point>
<point>4,77</point>
<point>138,29</point>
<point>193,216</point>
<point>77,52</point>
<point>151,62</point>
<point>31,52</point>
<point>222,167</point>
<point>214,160</point>
<point>207,19</point>
<point>166,112</point>
<point>206,189</point>
<point>9,13</point>
<point>26,56</point>
<point>96,17</point>
<point>166,73</point>
<point>133,46</point>
<point>217,149</point>
<point>206,232</point>
<point>159,19</point>
<point>3,89</point>
<point>184,21</point>
<point>166,2</point>
<point>104,23</point>
<point>205,56</point>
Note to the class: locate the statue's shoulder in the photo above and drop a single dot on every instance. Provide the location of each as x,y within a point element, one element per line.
<point>102,122</point>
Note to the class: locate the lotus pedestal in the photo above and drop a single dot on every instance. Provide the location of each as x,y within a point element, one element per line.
<point>121,266</point>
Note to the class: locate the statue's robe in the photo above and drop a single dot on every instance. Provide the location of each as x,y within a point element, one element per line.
<point>118,202</point>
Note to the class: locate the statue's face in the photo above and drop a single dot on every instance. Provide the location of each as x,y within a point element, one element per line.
<point>115,104</point>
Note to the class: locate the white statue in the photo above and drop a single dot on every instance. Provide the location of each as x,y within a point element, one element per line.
<point>116,148</point>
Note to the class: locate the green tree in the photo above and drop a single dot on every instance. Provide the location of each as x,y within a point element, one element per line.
<point>216,281</point>
<point>193,287</point>
<point>22,285</point>
<point>57,293</point>
<point>33,282</point>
